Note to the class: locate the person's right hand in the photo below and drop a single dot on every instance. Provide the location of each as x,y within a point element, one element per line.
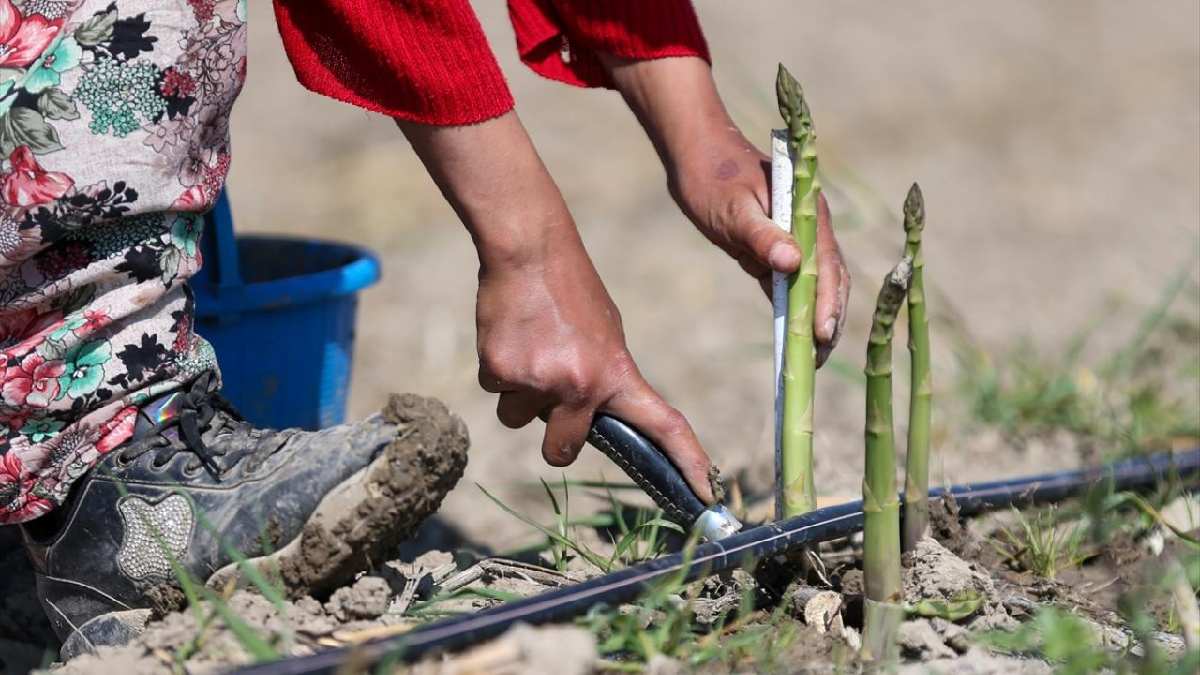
<point>551,345</point>
<point>549,336</point>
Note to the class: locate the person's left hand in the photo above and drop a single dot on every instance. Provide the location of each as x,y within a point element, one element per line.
<point>724,190</point>
<point>722,182</point>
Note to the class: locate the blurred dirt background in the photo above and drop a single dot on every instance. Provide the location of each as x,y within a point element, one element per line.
<point>1058,145</point>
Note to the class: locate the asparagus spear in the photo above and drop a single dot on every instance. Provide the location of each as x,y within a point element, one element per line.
<point>882,608</point>
<point>799,363</point>
<point>916,487</point>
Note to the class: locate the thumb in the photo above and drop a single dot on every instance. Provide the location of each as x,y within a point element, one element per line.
<point>771,246</point>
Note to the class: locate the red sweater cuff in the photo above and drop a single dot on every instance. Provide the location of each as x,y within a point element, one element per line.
<point>425,61</point>
<point>561,39</point>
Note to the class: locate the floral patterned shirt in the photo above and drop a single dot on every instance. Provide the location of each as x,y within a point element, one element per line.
<point>114,134</point>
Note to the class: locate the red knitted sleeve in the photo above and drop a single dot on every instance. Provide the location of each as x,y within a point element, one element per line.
<point>425,61</point>
<point>559,39</point>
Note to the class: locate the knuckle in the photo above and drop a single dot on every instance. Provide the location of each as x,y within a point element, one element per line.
<point>762,239</point>
<point>490,364</point>
<point>576,384</point>
<point>622,365</point>
<point>674,423</point>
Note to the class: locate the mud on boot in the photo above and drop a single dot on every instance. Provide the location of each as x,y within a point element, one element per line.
<point>197,487</point>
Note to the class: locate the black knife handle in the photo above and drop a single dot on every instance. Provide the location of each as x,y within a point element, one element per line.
<point>648,466</point>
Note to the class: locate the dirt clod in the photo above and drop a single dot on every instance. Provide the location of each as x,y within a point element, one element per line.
<point>947,528</point>
<point>166,598</point>
<point>547,650</point>
<point>920,640</point>
<point>978,662</point>
<point>721,595</point>
<point>368,598</point>
<point>934,573</point>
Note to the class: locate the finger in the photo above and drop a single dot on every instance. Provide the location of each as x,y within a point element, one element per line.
<point>773,248</point>
<point>832,280</point>
<point>516,409</point>
<point>825,349</point>
<point>490,382</point>
<point>642,407</point>
<point>566,431</point>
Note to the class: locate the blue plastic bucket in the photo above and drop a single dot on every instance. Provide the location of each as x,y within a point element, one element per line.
<point>280,313</point>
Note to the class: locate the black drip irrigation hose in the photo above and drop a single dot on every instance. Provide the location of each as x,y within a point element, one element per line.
<point>738,550</point>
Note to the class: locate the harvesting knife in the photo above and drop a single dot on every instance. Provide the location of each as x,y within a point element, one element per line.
<point>654,472</point>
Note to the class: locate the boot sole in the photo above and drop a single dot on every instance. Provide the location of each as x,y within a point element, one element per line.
<point>374,509</point>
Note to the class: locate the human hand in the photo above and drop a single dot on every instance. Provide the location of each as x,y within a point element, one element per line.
<point>729,202</point>
<point>551,345</point>
<point>549,337</point>
<point>721,182</point>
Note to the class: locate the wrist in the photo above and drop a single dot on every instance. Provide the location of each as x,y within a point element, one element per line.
<point>517,242</point>
<point>677,103</point>
<point>493,178</point>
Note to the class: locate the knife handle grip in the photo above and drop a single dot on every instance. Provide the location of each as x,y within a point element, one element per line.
<point>648,466</point>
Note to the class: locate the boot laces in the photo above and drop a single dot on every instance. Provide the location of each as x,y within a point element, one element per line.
<point>202,411</point>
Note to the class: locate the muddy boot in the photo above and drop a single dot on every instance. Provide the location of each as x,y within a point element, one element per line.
<point>197,488</point>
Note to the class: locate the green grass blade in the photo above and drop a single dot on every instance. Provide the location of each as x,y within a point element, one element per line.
<point>582,551</point>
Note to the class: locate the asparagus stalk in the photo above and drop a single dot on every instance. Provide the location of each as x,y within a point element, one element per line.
<point>799,362</point>
<point>916,485</point>
<point>883,609</point>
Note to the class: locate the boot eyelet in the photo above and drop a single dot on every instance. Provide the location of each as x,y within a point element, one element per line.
<point>158,466</point>
<point>191,470</point>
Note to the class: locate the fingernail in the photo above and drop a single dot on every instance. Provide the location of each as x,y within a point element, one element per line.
<point>830,327</point>
<point>783,256</point>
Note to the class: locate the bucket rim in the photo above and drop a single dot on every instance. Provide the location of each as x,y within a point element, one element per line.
<point>361,271</point>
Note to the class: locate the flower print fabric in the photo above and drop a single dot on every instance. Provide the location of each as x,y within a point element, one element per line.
<point>114,137</point>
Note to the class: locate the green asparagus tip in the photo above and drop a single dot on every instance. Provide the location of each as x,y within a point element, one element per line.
<point>914,209</point>
<point>792,106</point>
